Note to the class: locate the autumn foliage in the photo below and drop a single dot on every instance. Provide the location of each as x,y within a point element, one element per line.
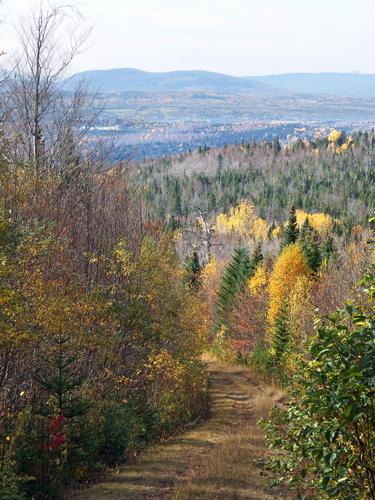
<point>290,268</point>
<point>101,337</point>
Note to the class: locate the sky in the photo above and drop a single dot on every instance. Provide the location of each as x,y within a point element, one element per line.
<point>239,37</point>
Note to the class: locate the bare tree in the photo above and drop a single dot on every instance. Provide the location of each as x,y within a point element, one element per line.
<point>208,231</point>
<point>201,232</point>
<point>46,120</point>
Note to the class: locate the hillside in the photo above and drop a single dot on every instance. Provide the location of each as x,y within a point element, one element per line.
<point>117,281</point>
<point>193,318</point>
<point>318,175</point>
<point>130,80</point>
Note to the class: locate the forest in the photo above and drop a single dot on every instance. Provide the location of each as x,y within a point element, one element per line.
<point>117,282</point>
<point>333,173</point>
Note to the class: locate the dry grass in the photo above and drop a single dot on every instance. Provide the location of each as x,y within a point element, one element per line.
<point>214,461</point>
<point>230,471</point>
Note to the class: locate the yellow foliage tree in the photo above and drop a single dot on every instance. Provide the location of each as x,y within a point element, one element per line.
<point>321,222</point>
<point>344,147</point>
<point>257,281</point>
<point>276,233</point>
<point>260,229</point>
<point>301,313</point>
<point>242,221</point>
<point>334,136</point>
<point>289,268</point>
<point>211,276</point>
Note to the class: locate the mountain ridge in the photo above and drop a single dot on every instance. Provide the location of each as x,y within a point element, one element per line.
<point>131,79</point>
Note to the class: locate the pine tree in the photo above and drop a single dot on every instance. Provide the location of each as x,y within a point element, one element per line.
<point>310,242</point>
<point>306,226</point>
<point>281,335</point>
<point>219,163</point>
<point>176,199</point>
<point>256,259</point>
<point>60,382</point>
<point>328,249</point>
<point>291,231</point>
<point>211,201</point>
<point>193,271</point>
<point>234,279</point>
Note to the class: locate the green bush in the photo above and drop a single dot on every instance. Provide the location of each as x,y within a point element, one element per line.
<point>327,435</point>
<point>9,483</point>
<point>122,431</point>
<point>262,359</point>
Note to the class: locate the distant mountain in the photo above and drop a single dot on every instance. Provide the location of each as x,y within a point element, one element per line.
<point>339,84</point>
<point>132,80</point>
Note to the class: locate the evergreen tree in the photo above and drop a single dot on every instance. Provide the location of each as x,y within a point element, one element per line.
<point>256,259</point>
<point>310,242</point>
<point>176,199</point>
<point>234,279</point>
<point>291,231</point>
<point>281,336</point>
<point>328,249</point>
<point>60,381</point>
<point>219,163</point>
<point>211,201</point>
<point>305,229</point>
<point>311,249</point>
<point>193,271</point>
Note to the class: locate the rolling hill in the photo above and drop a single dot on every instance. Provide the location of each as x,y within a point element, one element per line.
<point>132,80</point>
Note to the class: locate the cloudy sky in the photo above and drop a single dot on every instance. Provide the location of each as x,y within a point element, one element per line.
<point>240,37</point>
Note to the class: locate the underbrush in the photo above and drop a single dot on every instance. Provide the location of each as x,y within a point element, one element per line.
<point>260,357</point>
<point>48,452</point>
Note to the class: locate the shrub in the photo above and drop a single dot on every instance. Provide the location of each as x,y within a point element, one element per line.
<point>262,359</point>
<point>9,483</point>
<point>327,436</point>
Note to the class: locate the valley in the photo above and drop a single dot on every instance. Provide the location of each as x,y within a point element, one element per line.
<point>152,115</point>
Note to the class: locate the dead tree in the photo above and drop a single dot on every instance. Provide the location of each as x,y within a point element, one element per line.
<point>208,230</point>
<point>202,232</point>
<point>46,121</point>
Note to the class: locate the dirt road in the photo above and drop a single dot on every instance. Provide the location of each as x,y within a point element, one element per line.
<point>213,461</point>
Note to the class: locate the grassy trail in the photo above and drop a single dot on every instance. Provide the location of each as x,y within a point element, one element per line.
<point>212,461</point>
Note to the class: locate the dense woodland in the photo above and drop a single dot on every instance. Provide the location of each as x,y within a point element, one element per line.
<point>334,174</point>
<point>116,278</point>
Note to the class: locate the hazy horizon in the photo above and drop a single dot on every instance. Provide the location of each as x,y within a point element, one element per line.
<point>241,39</point>
<point>183,69</point>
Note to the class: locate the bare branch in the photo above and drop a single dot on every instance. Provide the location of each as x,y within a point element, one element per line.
<point>46,121</point>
